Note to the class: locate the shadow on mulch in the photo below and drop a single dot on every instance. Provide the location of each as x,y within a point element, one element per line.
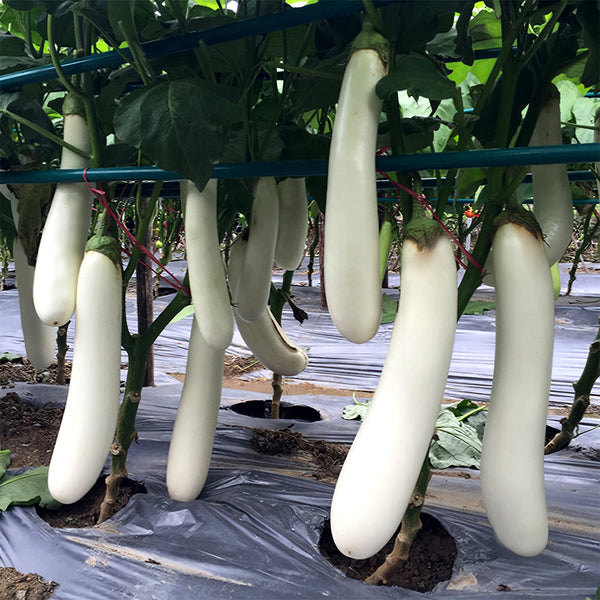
<point>259,409</point>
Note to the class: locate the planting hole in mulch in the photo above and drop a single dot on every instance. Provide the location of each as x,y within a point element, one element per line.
<point>85,512</point>
<point>29,431</point>
<point>431,558</point>
<point>317,458</point>
<point>259,409</point>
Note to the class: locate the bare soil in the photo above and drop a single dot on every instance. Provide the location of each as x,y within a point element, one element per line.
<point>430,561</point>
<point>29,431</point>
<point>24,586</point>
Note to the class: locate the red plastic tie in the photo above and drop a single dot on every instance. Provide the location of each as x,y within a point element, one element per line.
<point>397,186</point>
<point>101,197</point>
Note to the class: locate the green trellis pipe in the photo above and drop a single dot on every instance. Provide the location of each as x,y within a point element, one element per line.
<point>224,33</point>
<point>494,157</point>
<point>236,30</point>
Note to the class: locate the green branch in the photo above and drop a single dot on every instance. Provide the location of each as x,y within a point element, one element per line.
<point>44,132</point>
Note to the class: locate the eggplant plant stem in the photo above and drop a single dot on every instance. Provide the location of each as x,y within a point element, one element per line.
<point>410,527</point>
<point>62,347</point>
<point>137,347</point>
<point>583,389</point>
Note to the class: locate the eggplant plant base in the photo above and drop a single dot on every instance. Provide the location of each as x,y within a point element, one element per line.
<point>29,432</point>
<point>430,561</point>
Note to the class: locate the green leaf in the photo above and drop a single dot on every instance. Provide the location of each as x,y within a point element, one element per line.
<point>186,311</point>
<point>358,410</point>
<point>31,487</point>
<point>413,24</point>
<point>181,125</point>
<point>4,462</point>
<point>32,199</point>
<point>390,308</point>
<point>457,443</point>
<point>478,307</point>
<point>9,357</point>
<point>420,76</point>
<point>485,30</point>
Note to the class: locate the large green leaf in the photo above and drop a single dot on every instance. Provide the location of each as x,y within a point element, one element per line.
<point>413,24</point>
<point>181,125</point>
<point>416,73</point>
<point>30,487</point>
<point>4,462</point>
<point>457,443</point>
<point>389,309</point>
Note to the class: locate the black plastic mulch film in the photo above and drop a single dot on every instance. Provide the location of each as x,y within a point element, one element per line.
<point>254,531</point>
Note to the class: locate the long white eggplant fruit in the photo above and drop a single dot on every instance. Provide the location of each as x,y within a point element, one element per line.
<point>251,291</point>
<point>378,477</point>
<point>88,425</point>
<point>62,244</point>
<point>552,199</point>
<point>293,223</point>
<point>208,284</point>
<point>263,336</point>
<point>512,462</point>
<point>38,337</point>
<point>196,421</point>
<point>351,244</point>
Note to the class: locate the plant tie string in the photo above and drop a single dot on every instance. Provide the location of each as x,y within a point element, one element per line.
<point>100,195</point>
<point>398,186</point>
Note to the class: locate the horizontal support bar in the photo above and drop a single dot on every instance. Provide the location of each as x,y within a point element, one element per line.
<point>224,33</point>
<point>493,157</point>
<point>239,29</point>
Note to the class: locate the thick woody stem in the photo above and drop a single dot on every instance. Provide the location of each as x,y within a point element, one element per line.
<point>410,527</point>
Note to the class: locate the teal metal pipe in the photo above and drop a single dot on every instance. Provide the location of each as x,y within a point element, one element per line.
<point>494,157</point>
<point>235,30</point>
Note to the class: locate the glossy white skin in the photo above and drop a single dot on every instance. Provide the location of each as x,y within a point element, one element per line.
<point>382,467</point>
<point>89,421</point>
<point>293,223</point>
<point>351,244</point>
<point>264,337</point>
<point>208,284</point>
<point>552,200</point>
<point>39,338</point>
<point>251,291</point>
<point>512,461</point>
<point>62,244</point>
<point>196,421</point>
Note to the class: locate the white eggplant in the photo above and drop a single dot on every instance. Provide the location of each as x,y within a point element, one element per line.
<point>351,244</point>
<point>38,337</point>
<point>62,244</point>
<point>264,336</point>
<point>89,421</point>
<point>293,223</point>
<point>379,474</point>
<point>196,421</point>
<point>512,462</point>
<point>552,200</point>
<point>210,295</point>
<point>251,292</point>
